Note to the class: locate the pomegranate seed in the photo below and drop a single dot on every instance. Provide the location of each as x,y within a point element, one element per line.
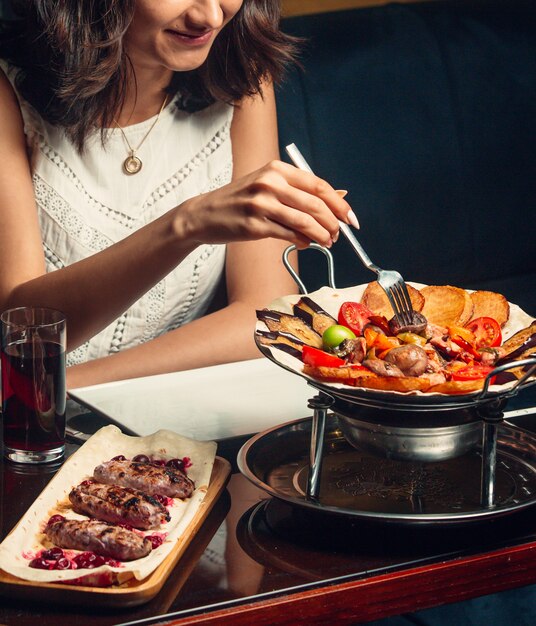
<point>180,464</point>
<point>156,540</point>
<point>40,564</point>
<point>53,554</point>
<point>89,560</point>
<point>141,458</point>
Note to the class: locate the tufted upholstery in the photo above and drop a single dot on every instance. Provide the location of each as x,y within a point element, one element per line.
<point>426,113</point>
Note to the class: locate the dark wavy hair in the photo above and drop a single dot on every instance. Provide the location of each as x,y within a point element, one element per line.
<point>72,66</point>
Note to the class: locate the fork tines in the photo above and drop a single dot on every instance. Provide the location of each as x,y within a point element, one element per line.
<point>398,295</point>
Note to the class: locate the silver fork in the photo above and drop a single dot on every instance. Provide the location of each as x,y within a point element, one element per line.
<point>390,281</point>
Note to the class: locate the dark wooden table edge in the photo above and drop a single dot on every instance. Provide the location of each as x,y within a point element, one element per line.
<point>381,596</point>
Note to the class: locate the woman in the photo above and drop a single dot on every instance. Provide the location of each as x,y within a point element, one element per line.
<point>138,137</point>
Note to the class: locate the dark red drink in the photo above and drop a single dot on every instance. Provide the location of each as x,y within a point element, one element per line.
<point>33,396</point>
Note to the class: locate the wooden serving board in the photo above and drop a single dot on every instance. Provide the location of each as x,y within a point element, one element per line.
<point>133,592</point>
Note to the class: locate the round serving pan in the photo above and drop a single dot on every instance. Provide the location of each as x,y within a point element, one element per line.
<point>330,300</point>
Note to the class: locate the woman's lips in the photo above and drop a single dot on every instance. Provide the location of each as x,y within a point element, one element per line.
<point>191,39</point>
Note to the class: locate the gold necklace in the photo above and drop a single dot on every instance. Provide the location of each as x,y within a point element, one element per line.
<point>133,164</point>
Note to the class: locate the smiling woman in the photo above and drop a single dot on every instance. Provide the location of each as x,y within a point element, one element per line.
<point>141,167</point>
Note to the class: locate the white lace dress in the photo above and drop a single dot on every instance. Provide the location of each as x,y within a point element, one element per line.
<point>86,203</point>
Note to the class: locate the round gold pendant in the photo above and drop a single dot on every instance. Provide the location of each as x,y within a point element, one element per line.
<point>132,165</point>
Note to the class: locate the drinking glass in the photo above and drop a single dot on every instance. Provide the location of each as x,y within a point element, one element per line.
<point>33,384</point>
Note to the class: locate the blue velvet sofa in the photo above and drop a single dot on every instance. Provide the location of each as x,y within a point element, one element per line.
<point>426,113</point>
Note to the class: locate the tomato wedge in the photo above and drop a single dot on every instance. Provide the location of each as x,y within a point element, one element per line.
<point>474,371</point>
<point>318,358</point>
<point>487,332</point>
<point>465,345</point>
<point>354,316</point>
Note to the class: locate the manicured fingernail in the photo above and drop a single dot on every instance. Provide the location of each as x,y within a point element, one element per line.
<point>352,219</point>
<point>341,192</point>
<point>335,237</point>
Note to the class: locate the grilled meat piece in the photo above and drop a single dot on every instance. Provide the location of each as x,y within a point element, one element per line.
<point>151,479</point>
<point>383,368</point>
<point>411,359</point>
<point>118,505</point>
<point>353,350</point>
<point>417,325</point>
<point>98,537</point>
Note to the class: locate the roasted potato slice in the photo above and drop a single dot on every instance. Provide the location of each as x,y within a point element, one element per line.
<point>446,305</point>
<point>360,377</point>
<point>391,383</point>
<point>490,304</point>
<point>344,374</point>
<point>375,299</point>
<point>458,387</point>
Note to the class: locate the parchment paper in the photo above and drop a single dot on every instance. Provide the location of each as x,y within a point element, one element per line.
<point>21,545</point>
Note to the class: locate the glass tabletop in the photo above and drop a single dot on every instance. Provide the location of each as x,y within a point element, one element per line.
<point>253,547</point>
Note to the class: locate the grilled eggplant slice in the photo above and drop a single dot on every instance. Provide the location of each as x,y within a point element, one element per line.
<point>283,322</point>
<point>314,315</point>
<point>281,340</point>
<point>520,346</point>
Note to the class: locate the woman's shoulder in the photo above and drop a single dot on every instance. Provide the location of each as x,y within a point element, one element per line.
<point>33,123</point>
<point>9,100</point>
<point>7,78</point>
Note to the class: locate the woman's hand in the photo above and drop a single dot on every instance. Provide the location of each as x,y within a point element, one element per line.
<point>278,200</point>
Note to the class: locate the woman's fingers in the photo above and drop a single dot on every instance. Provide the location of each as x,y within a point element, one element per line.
<point>278,200</point>
<point>312,184</point>
<point>306,213</point>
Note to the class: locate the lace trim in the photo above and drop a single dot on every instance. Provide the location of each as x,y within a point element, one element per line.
<point>51,258</point>
<point>117,337</point>
<point>174,181</point>
<point>153,314</point>
<point>113,214</point>
<point>222,178</point>
<point>49,201</point>
<point>78,355</point>
<point>194,284</point>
